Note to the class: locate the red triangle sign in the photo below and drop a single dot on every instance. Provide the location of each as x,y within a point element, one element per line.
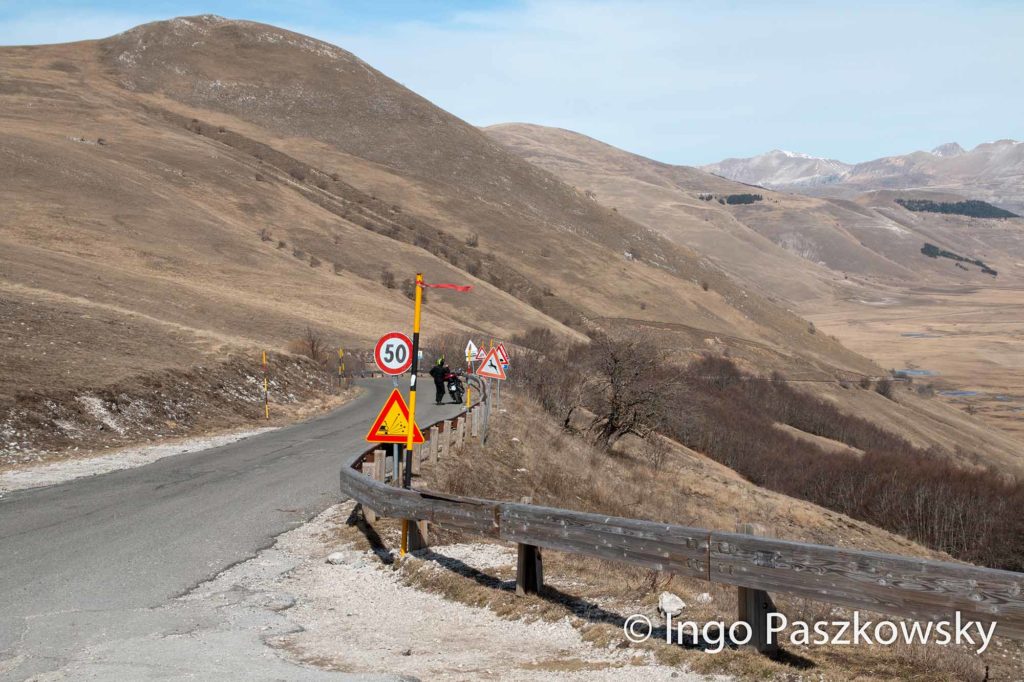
<point>491,366</point>
<point>392,424</point>
<point>502,353</point>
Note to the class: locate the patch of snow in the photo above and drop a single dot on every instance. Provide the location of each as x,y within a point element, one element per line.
<point>95,407</point>
<point>52,473</point>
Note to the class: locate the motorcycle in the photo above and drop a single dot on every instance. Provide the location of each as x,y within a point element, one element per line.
<point>455,389</point>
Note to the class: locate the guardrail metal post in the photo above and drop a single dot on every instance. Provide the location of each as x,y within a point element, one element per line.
<point>755,605</point>
<point>475,432</point>
<point>529,567</point>
<point>460,431</point>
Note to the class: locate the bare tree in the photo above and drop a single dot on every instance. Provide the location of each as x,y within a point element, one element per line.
<point>311,344</point>
<point>631,391</point>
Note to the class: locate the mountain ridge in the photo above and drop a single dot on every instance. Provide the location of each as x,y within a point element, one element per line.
<point>990,171</point>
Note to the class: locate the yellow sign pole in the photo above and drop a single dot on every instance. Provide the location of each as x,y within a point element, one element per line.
<point>407,472</point>
<point>341,368</point>
<point>266,389</point>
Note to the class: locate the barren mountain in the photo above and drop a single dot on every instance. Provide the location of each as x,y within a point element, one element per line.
<point>993,171</point>
<point>855,267</point>
<point>199,187</point>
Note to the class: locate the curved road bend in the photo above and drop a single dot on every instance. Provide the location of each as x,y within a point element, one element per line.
<point>92,560</point>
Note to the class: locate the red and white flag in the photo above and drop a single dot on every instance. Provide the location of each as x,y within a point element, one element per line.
<point>456,287</point>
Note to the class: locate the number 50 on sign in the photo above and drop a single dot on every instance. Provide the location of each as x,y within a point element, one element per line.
<point>393,353</point>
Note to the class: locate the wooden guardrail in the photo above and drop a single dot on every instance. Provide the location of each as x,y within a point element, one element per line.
<point>883,583</point>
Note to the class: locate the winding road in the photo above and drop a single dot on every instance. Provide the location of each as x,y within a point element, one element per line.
<point>98,560</point>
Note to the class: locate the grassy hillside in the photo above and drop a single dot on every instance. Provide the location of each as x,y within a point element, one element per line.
<point>200,187</point>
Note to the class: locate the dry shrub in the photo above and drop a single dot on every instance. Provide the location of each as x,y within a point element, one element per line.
<point>646,581</point>
<point>955,661</point>
<point>884,388</point>
<point>311,344</point>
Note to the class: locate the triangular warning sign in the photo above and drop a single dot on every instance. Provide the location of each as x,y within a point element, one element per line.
<point>481,353</point>
<point>502,353</point>
<point>491,366</point>
<point>392,424</point>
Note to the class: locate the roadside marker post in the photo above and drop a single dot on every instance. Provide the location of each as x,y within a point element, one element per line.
<point>341,368</point>
<point>266,389</point>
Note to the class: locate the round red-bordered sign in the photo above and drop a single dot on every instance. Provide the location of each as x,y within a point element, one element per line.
<point>393,353</point>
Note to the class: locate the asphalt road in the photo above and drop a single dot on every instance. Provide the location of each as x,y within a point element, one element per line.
<point>92,558</point>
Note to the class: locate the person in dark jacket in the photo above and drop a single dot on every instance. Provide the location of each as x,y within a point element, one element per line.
<point>438,373</point>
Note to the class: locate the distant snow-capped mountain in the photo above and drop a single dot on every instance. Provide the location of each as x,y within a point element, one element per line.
<point>780,168</point>
<point>992,171</point>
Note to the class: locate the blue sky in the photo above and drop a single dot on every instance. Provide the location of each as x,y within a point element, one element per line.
<point>682,82</point>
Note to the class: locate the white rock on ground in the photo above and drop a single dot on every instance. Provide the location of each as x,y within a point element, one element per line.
<point>670,604</point>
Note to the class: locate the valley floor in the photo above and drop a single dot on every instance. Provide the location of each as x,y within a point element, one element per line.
<point>967,343</point>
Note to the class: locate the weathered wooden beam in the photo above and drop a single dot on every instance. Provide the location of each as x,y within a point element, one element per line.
<point>435,437</point>
<point>379,465</point>
<point>663,547</point>
<point>368,514</point>
<point>884,583</point>
<point>446,443</point>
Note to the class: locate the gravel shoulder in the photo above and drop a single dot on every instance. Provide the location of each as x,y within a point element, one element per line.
<point>354,613</point>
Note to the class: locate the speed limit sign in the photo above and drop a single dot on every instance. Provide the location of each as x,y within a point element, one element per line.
<point>393,353</point>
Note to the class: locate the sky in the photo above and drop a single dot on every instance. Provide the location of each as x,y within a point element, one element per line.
<point>681,82</point>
